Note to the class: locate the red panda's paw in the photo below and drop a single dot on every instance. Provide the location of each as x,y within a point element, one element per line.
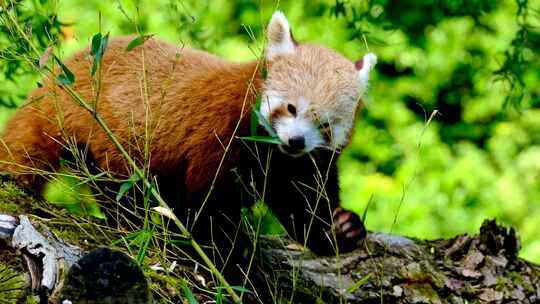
<point>349,229</point>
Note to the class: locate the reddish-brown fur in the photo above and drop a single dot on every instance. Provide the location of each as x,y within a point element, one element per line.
<point>194,108</point>
<point>195,101</point>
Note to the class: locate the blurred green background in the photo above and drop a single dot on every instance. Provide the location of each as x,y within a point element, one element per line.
<point>475,62</point>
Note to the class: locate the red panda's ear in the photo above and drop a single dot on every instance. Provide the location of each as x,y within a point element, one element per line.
<point>280,40</point>
<point>364,66</point>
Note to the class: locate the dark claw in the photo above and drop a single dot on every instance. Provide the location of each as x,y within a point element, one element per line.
<point>349,229</point>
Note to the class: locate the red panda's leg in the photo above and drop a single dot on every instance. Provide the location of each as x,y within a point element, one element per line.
<point>310,214</point>
<point>26,150</point>
<point>347,227</point>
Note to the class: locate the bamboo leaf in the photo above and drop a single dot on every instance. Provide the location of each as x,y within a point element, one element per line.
<point>96,41</point>
<point>99,45</point>
<point>263,139</point>
<point>139,40</point>
<point>124,187</point>
<point>67,78</point>
<point>265,123</point>
<point>254,118</point>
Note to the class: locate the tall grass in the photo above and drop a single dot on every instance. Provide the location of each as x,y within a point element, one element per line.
<point>147,233</point>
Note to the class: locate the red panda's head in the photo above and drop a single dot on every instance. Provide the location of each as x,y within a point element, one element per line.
<point>311,93</point>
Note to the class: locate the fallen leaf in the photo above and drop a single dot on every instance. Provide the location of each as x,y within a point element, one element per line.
<point>166,212</point>
<point>45,57</point>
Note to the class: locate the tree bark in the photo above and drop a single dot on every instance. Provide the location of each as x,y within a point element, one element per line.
<point>481,268</point>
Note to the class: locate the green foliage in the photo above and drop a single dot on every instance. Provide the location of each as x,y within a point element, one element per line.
<point>99,45</point>
<point>38,18</point>
<point>77,198</point>
<point>67,77</point>
<point>139,40</point>
<point>126,186</point>
<point>189,295</point>
<point>519,59</point>
<point>11,285</point>
<point>466,60</point>
<point>256,119</point>
<point>476,158</point>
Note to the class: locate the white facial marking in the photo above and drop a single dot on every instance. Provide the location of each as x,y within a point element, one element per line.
<point>270,101</point>
<point>279,36</point>
<point>289,127</point>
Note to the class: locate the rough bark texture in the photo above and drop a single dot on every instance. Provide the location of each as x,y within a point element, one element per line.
<point>58,272</point>
<point>482,268</point>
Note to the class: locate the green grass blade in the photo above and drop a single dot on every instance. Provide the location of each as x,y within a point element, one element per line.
<point>358,284</point>
<point>263,139</point>
<point>189,295</point>
<point>67,78</point>
<point>139,40</point>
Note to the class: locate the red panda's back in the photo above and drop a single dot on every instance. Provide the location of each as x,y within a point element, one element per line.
<point>180,105</point>
<point>133,103</point>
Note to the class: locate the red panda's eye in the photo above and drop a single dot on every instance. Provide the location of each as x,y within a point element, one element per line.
<point>291,109</point>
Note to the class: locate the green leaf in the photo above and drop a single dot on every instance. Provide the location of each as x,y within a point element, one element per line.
<point>72,207</point>
<point>263,139</point>
<point>264,69</point>
<point>124,188</point>
<point>189,295</point>
<point>67,78</point>
<point>146,237</point>
<point>180,242</point>
<point>137,41</point>
<point>64,79</point>
<point>82,208</point>
<point>93,209</point>
<point>358,284</point>
<point>99,45</point>
<point>237,288</point>
<point>96,42</point>
<point>219,297</point>
<point>265,123</point>
<point>254,118</point>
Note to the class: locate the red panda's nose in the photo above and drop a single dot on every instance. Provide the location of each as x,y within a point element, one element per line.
<point>297,143</point>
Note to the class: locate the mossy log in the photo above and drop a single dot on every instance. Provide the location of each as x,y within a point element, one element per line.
<point>57,272</point>
<point>481,268</point>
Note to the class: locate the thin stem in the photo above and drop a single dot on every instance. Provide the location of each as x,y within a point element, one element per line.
<point>140,173</point>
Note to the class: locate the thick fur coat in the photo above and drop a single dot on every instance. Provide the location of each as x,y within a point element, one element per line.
<point>188,105</point>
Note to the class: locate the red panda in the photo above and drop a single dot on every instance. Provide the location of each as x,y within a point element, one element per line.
<point>195,104</point>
